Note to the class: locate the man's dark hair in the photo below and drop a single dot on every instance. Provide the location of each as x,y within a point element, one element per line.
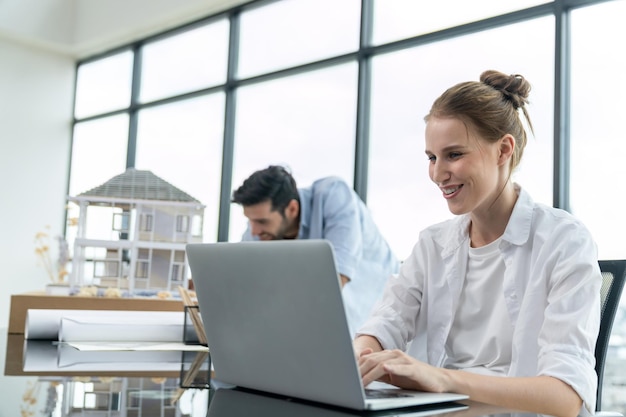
<point>273,183</point>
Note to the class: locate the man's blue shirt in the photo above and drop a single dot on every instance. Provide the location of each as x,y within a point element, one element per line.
<point>331,210</point>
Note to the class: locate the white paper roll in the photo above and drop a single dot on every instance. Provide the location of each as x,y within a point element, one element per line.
<point>104,325</point>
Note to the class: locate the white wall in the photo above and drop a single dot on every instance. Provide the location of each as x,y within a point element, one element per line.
<point>45,22</point>
<point>36,93</point>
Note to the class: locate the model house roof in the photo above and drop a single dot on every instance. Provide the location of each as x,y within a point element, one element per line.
<point>136,184</point>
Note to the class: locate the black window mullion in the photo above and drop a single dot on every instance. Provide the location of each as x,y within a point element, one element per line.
<point>361,154</point>
<point>133,111</point>
<point>70,150</point>
<point>562,118</point>
<point>228,147</point>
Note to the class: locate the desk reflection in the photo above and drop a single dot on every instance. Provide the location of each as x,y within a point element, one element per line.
<point>240,403</point>
<point>129,388</point>
<point>131,392</point>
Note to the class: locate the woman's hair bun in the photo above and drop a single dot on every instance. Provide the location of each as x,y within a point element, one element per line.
<point>514,87</point>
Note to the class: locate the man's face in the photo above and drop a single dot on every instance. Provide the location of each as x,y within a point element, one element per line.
<point>270,224</point>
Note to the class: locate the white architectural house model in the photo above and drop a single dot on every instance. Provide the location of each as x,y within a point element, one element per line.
<point>131,233</point>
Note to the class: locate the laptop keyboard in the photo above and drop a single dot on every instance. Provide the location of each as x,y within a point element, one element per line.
<point>384,393</point>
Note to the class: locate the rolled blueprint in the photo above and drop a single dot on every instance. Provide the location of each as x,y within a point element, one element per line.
<point>104,325</point>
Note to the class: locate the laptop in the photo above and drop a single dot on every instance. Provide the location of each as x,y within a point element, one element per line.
<point>275,322</point>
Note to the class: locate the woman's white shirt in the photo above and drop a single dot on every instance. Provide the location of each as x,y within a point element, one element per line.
<point>551,290</point>
<point>481,333</point>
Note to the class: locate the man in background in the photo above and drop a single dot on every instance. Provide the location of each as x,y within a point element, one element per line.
<point>328,209</point>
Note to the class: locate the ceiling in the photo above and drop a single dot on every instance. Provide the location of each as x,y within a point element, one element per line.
<point>80,28</point>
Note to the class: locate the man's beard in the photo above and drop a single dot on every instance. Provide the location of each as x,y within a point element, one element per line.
<point>280,233</point>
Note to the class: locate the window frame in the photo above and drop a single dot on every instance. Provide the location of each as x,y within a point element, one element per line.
<point>560,9</point>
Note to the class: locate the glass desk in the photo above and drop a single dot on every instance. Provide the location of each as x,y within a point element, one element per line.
<point>146,390</point>
<point>142,393</point>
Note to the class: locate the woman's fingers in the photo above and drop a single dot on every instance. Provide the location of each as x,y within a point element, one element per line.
<point>413,374</point>
<point>372,365</point>
<point>397,368</point>
<point>365,351</point>
<point>367,367</point>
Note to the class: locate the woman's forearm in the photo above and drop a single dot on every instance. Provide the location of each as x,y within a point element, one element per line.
<point>542,394</point>
<point>364,342</point>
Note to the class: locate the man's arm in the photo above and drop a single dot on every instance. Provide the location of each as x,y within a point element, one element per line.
<point>336,208</point>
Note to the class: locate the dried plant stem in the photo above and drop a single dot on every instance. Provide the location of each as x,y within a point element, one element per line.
<point>42,249</point>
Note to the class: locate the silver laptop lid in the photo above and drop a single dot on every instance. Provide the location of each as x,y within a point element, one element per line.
<point>275,320</point>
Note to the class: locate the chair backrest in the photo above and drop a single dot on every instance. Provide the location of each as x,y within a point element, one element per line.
<point>613,277</point>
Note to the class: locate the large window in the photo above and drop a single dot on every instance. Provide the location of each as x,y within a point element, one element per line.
<point>341,88</point>
<point>293,93</point>
<point>411,80</point>
<point>284,34</point>
<point>190,61</point>
<point>98,152</point>
<point>400,19</point>
<point>306,122</point>
<point>104,85</point>
<point>181,142</point>
<point>598,144</point>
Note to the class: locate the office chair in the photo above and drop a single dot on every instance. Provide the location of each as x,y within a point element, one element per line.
<point>613,277</point>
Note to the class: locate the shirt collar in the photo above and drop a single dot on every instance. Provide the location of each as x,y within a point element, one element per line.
<point>305,210</point>
<point>517,230</point>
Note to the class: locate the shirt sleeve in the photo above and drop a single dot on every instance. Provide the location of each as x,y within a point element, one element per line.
<point>342,224</point>
<point>394,318</point>
<point>572,314</point>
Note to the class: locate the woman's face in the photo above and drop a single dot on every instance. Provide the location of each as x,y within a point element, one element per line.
<point>464,166</point>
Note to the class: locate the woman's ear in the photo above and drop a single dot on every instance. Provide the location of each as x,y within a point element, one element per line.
<point>506,147</point>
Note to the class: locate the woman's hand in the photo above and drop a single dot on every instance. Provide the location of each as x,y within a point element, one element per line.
<point>537,394</point>
<point>397,368</point>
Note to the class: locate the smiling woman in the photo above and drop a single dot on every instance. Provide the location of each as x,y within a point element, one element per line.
<point>484,305</point>
<point>397,165</point>
<point>461,163</point>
